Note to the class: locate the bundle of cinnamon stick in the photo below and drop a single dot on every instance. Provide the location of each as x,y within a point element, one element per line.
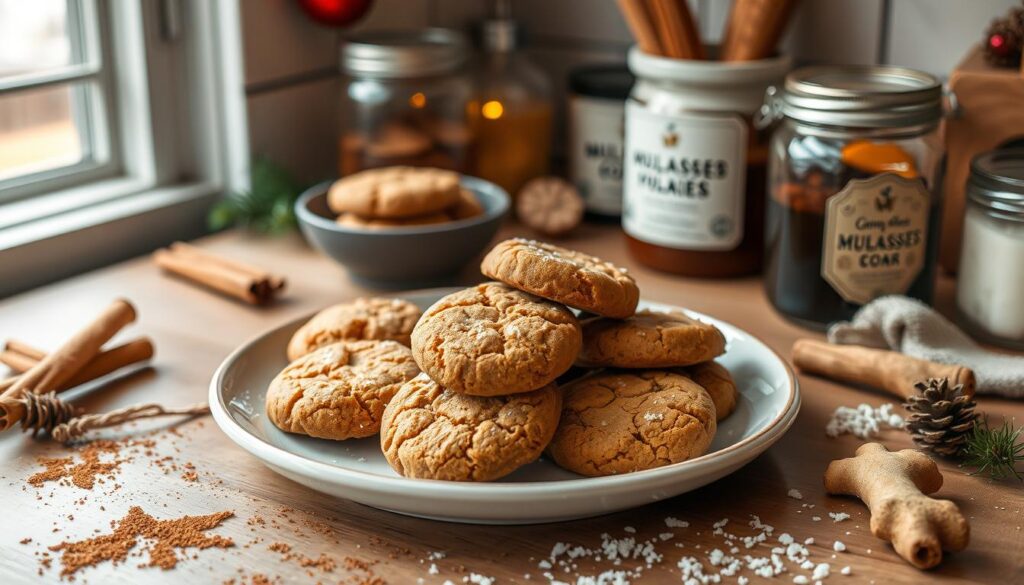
<point>230,277</point>
<point>666,28</point>
<point>77,361</point>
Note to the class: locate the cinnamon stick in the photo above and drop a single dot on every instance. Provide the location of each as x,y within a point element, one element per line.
<point>754,28</point>
<point>236,279</point>
<point>59,367</point>
<point>640,24</point>
<point>677,32</point>
<point>105,362</point>
<point>891,371</point>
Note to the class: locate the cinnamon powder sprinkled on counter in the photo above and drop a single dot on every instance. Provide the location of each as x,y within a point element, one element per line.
<point>84,473</point>
<point>166,536</point>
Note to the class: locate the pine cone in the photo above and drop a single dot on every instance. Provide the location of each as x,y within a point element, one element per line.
<point>1004,40</point>
<point>941,416</point>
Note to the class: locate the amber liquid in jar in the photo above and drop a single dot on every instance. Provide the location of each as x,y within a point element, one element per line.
<point>743,260</point>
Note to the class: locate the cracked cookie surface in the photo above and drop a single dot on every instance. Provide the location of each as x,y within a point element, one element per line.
<point>719,384</point>
<point>649,339</point>
<point>433,433</point>
<point>617,422</point>
<point>363,318</point>
<point>492,340</point>
<point>339,391</point>
<point>565,276</point>
<point>394,192</point>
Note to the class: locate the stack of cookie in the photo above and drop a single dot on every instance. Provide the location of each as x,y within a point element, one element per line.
<point>401,196</point>
<point>346,364</point>
<point>475,396</point>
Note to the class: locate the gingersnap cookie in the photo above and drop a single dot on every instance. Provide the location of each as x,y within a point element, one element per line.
<point>434,433</point>
<point>618,422</point>
<point>467,206</point>
<point>491,339</point>
<point>363,318</point>
<point>340,390</point>
<point>649,339</point>
<point>564,276</point>
<point>718,382</point>
<point>394,192</point>
<point>354,221</point>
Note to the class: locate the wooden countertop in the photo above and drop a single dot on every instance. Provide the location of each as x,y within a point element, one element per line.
<point>194,330</point>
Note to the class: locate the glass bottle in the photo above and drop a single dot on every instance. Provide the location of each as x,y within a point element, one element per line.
<point>514,125</point>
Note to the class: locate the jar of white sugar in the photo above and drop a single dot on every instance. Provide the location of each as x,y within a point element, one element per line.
<point>990,291</point>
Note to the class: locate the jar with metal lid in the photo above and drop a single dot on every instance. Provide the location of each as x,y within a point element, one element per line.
<point>854,199</point>
<point>596,115</point>
<point>406,101</point>
<point>693,186</point>
<point>990,289</point>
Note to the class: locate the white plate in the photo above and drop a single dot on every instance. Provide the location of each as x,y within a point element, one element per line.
<point>538,492</point>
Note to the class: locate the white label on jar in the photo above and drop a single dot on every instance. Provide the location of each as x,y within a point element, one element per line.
<point>684,179</point>
<point>595,155</point>
<point>876,233</point>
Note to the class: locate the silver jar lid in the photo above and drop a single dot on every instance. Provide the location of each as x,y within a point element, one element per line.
<point>997,183</point>
<point>861,97</point>
<point>396,54</point>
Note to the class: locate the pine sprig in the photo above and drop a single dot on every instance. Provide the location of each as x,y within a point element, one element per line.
<point>267,207</point>
<point>994,451</point>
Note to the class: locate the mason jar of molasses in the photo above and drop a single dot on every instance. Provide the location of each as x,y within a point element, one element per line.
<point>853,189</point>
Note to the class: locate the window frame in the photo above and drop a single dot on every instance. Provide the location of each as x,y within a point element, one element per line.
<point>183,60</point>
<point>90,77</point>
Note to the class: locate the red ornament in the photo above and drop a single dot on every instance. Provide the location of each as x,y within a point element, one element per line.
<point>998,45</point>
<point>335,12</point>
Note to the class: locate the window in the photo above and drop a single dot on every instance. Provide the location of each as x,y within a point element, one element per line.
<point>55,96</point>
<point>121,121</point>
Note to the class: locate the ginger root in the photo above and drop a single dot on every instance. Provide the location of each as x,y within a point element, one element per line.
<point>893,485</point>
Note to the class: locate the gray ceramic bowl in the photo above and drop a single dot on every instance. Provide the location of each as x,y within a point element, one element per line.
<point>407,257</point>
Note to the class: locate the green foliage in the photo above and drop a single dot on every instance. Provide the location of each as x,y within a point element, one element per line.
<point>266,208</point>
<point>994,451</point>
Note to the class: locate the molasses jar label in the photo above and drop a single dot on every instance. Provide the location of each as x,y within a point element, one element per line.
<point>684,179</point>
<point>876,232</point>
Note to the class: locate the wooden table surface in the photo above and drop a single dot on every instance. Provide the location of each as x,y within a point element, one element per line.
<point>194,330</point>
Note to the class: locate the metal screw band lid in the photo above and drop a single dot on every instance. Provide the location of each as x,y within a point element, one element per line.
<point>862,97</point>
<point>394,54</point>
<point>997,183</point>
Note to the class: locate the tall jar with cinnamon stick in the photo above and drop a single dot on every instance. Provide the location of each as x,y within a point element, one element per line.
<point>854,200</point>
<point>694,173</point>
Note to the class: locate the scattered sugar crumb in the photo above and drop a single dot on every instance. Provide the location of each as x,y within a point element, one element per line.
<point>864,421</point>
<point>838,516</point>
<point>838,546</point>
<point>676,523</point>
<point>795,494</point>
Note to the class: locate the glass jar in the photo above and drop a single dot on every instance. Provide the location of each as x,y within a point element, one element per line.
<point>406,101</point>
<point>596,116</point>
<point>990,289</point>
<point>854,197</point>
<point>694,170</point>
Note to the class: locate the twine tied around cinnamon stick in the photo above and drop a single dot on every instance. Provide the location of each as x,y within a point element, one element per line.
<point>54,371</point>
<point>47,412</point>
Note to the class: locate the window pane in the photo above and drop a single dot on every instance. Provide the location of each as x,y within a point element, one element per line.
<point>38,129</point>
<point>34,36</point>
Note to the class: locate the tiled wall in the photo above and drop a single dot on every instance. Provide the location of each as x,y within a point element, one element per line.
<point>291,63</point>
